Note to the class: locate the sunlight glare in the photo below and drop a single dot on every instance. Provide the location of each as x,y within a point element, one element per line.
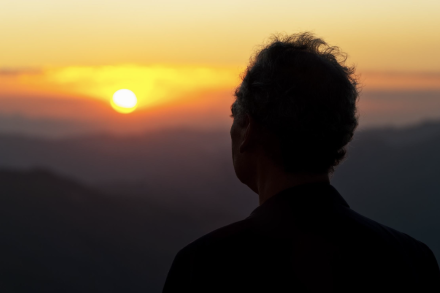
<point>124,101</point>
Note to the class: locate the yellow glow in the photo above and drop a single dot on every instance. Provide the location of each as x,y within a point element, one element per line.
<point>124,101</point>
<point>153,85</point>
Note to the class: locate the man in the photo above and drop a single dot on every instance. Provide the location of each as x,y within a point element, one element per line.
<point>294,114</point>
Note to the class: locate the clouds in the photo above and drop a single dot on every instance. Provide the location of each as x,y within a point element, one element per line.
<point>153,85</point>
<point>401,81</point>
<point>11,72</point>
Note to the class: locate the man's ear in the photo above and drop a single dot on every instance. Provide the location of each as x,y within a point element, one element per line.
<point>247,134</point>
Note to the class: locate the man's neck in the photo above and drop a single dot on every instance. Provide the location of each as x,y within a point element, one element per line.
<point>272,182</point>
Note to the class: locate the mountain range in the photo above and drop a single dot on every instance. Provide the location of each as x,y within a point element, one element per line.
<point>103,213</point>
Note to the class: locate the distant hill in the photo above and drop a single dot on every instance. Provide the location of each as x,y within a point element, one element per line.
<point>141,198</point>
<point>60,236</point>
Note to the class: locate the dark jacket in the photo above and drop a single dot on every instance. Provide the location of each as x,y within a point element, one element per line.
<point>305,239</point>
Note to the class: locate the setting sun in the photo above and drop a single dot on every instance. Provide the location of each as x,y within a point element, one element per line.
<point>124,101</point>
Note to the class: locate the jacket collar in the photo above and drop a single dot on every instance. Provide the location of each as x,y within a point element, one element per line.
<point>303,196</point>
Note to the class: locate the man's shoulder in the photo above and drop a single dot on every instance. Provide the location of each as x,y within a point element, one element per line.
<point>383,233</point>
<point>398,253</point>
<point>205,258</point>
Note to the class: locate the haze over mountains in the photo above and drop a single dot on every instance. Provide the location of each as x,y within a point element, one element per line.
<point>56,117</point>
<point>102,213</point>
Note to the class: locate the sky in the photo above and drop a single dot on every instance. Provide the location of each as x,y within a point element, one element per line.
<point>61,61</point>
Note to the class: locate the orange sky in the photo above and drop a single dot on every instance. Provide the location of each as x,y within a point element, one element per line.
<point>182,59</point>
<point>183,96</point>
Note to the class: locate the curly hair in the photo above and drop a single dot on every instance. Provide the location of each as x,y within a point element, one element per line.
<point>299,89</point>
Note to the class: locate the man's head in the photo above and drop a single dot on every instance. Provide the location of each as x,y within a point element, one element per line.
<point>297,105</point>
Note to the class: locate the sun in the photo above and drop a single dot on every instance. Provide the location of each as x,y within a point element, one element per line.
<point>124,101</point>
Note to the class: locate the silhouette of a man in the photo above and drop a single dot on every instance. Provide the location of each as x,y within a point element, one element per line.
<point>294,114</point>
